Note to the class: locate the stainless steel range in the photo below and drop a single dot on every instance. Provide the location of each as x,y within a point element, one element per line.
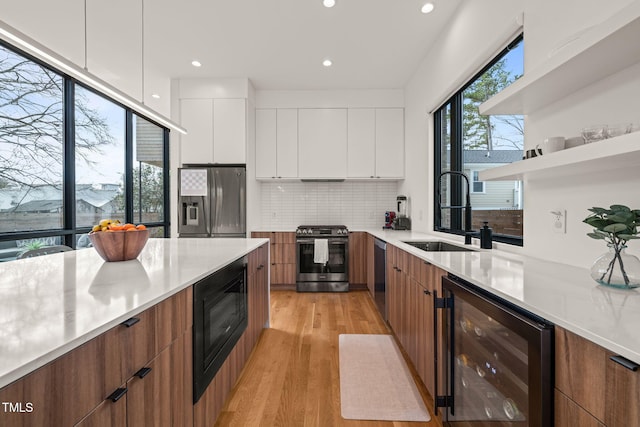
<point>322,258</point>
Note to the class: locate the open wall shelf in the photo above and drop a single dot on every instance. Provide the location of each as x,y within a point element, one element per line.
<point>609,154</point>
<point>595,54</point>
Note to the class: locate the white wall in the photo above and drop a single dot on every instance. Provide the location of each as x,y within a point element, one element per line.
<point>359,205</point>
<point>616,99</point>
<point>476,34</point>
<point>329,98</point>
<point>284,205</point>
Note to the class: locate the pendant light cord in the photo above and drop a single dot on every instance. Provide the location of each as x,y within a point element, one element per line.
<point>85,36</point>
<point>142,49</point>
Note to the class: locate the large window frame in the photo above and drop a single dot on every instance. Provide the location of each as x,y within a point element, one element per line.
<point>69,231</point>
<point>456,200</point>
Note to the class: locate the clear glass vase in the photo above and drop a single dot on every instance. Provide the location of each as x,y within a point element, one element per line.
<point>617,269</point>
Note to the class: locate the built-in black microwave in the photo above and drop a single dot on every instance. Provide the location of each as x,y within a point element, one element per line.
<point>219,319</point>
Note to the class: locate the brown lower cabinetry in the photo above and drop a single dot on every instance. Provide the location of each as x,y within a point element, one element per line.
<point>73,389</point>
<point>208,407</point>
<point>569,414</point>
<point>411,283</point>
<point>593,387</point>
<point>283,256</point>
<point>357,260</point>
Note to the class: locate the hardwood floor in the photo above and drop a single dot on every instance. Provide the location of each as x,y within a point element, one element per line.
<point>292,377</point>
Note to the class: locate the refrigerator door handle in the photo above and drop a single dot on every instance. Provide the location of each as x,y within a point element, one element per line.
<point>212,201</point>
<point>218,201</point>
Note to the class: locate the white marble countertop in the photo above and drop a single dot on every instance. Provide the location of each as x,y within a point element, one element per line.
<point>54,303</point>
<point>565,295</point>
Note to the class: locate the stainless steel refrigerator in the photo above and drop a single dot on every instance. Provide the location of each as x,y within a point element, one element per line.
<point>212,201</point>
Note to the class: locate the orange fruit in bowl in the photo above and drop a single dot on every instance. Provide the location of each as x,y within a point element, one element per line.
<point>141,227</point>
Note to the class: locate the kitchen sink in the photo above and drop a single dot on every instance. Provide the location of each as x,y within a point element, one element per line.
<point>438,246</point>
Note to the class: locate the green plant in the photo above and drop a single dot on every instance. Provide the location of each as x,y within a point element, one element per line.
<point>36,244</point>
<point>616,226</point>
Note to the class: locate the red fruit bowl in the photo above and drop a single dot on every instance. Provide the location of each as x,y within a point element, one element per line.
<point>119,245</point>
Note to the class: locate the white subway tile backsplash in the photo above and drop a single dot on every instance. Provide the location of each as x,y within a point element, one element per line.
<point>358,205</point>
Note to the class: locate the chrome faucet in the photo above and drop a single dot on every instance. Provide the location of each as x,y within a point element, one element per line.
<point>467,207</point>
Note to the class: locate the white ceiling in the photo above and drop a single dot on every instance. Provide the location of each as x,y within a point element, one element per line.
<point>277,44</point>
<point>280,44</point>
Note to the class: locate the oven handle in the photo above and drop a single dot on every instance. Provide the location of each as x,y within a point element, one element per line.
<point>332,240</point>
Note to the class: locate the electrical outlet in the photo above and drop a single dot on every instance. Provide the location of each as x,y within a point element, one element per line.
<point>559,221</point>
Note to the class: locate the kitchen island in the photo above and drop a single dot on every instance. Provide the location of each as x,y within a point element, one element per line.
<point>50,305</point>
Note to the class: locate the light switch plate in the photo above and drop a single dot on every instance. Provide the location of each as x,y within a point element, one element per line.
<point>559,221</point>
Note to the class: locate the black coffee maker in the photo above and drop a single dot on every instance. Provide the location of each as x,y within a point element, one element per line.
<point>402,221</point>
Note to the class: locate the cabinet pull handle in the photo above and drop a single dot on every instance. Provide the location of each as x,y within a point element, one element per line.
<point>625,362</point>
<point>427,263</point>
<point>116,395</point>
<point>427,292</point>
<point>143,372</point>
<point>130,322</point>
<point>261,266</point>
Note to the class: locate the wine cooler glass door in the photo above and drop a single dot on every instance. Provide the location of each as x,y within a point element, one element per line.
<point>497,370</point>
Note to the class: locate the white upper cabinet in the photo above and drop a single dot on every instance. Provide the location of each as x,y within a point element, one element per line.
<point>266,145</point>
<point>229,131</point>
<point>216,130</point>
<point>361,143</point>
<point>287,141</point>
<point>322,143</point>
<point>389,143</point>
<point>276,143</point>
<point>197,117</point>
<point>330,143</point>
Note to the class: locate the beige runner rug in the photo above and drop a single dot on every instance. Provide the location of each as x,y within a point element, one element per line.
<point>375,382</point>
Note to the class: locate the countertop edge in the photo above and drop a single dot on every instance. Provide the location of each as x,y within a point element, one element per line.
<point>567,324</point>
<point>27,368</point>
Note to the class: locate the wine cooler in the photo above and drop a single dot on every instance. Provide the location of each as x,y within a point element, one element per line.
<point>494,366</point>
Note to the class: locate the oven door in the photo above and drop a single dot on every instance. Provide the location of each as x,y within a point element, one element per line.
<point>335,270</point>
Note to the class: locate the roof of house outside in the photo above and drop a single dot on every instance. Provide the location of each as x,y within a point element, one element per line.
<point>492,156</point>
<point>48,197</point>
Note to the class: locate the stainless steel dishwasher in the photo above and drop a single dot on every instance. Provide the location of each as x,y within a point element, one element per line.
<point>379,263</point>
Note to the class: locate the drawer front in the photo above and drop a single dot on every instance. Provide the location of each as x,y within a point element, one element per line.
<point>581,371</point>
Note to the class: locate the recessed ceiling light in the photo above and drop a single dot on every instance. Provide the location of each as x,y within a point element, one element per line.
<point>196,63</point>
<point>327,63</point>
<point>427,8</point>
<point>329,3</point>
<point>155,95</point>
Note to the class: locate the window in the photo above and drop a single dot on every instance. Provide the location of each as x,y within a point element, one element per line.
<point>467,143</point>
<point>69,157</point>
<point>100,156</point>
<point>477,186</point>
<point>31,145</point>
<point>148,171</point>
